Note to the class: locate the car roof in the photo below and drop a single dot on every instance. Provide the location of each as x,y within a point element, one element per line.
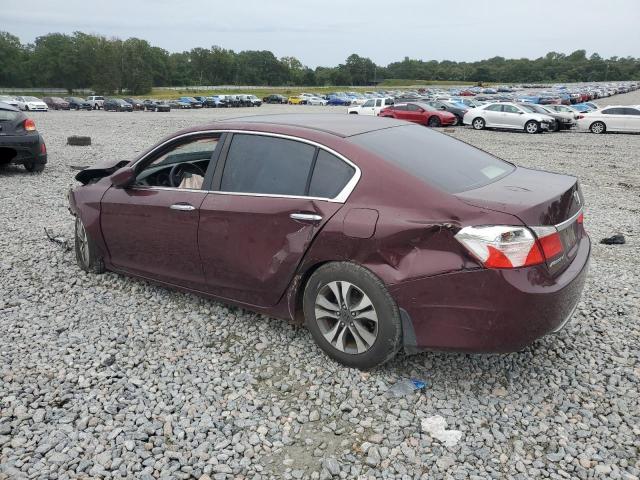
<point>340,125</point>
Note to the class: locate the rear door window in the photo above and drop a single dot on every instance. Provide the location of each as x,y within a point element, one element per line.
<point>330,176</point>
<point>267,165</point>
<point>435,158</point>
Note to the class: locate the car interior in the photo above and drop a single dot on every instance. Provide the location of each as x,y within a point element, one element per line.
<point>182,167</point>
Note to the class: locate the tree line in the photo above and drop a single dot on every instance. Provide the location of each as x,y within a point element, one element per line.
<point>109,65</point>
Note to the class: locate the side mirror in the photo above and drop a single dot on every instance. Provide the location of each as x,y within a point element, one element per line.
<point>123,177</point>
<point>443,108</point>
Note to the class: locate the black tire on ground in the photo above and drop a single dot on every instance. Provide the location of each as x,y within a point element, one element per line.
<point>87,255</point>
<point>389,328</point>
<point>353,113</point>
<point>34,167</point>
<point>598,127</point>
<point>79,141</point>
<point>478,123</point>
<point>557,127</point>
<point>457,121</point>
<point>531,127</point>
<point>433,121</point>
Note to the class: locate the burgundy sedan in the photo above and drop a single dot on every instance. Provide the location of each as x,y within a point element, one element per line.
<point>419,113</point>
<point>378,235</point>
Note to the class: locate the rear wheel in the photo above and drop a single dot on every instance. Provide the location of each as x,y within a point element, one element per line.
<point>351,315</point>
<point>478,123</point>
<point>532,127</point>
<point>35,167</point>
<point>86,251</point>
<point>434,121</point>
<point>598,127</point>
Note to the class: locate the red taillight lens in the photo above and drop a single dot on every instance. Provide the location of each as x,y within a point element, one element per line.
<point>580,116</point>
<point>29,125</point>
<point>580,219</point>
<point>43,148</point>
<point>549,240</point>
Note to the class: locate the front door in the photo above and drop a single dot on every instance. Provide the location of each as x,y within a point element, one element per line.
<point>151,227</point>
<point>273,196</point>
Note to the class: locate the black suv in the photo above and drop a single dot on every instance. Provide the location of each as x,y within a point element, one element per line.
<point>20,142</point>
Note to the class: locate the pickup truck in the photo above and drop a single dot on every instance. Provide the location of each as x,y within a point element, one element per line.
<point>95,102</point>
<point>373,106</point>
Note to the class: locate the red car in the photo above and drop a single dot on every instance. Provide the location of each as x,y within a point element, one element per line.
<point>377,234</point>
<point>419,113</point>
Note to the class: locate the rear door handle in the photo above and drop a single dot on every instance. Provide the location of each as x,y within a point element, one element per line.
<point>306,217</point>
<point>183,207</point>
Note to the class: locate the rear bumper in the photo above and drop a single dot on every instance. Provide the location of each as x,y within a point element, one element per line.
<point>488,310</point>
<point>21,149</point>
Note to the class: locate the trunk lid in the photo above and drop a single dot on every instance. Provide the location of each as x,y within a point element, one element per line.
<point>538,199</point>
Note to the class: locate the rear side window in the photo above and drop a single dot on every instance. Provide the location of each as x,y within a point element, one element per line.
<point>8,115</point>
<point>261,164</point>
<point>330,175</point>
<point>435,158</point>
<point>614,111</point>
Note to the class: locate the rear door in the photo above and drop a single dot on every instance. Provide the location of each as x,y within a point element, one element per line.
<point>271,196</point>
<point>401,111</point>
<point>615,118</point>
<point>632,121</point>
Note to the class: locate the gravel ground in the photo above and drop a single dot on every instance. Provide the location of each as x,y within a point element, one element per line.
<point>107,376</point>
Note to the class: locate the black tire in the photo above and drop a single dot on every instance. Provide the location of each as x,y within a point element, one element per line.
<point>93,262</point>
<point>389,328</point>
<point>79,141</point>
<point>34,167</point>
<point>598,127</point>
<point>557,127</point>
<point>433,122</point>
<point>457,121</point>
<point>478,123</point>
<point>353,113</point>
<point>532,127</point>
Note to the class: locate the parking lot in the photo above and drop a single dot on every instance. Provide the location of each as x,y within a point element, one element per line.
<point>108,376</point>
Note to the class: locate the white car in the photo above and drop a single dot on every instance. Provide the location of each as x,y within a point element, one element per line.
<point>316,101</point>
<point>95,101</point>
<point>614,118</point>
<point>507,115</point>
<point>564,109</point>
<point>373,106</point>
<point>12,101</point>
<point>33,104</point>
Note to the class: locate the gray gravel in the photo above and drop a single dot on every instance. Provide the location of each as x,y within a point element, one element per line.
<point>110,377</point>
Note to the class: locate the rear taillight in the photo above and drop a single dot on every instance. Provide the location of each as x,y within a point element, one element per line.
<point>549,240</point>
<point>43,148</point>
<point>501,246</point>
<point>580,116</point>
<point>29,125</point>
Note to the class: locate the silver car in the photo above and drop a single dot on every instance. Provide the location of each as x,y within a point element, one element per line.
<point>507,115</point>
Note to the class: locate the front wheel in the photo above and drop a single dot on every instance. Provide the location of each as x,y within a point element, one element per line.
<point>87,255</point>
<point>532,127</point>
<point>351,315</point>
<point>433,122</point>
<point>598,127</point>
<point>478,123</point>
<point>456,121</point>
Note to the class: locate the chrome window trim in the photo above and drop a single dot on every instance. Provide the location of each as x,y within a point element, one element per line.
<point>569,221</point>
<point>340,198</point>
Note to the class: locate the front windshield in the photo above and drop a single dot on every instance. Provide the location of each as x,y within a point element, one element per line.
<point>527,108</point>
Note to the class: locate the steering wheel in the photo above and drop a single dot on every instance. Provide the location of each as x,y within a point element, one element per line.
<point>178,171</point>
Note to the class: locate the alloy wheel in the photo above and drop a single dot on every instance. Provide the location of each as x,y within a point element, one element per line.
<point>346,317</point>
<point>478,124</point>
<point>531,127</point>
<point>597,127</point>
<point>83,241</point>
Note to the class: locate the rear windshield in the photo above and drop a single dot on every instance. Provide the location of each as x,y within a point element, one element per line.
<point>435,158</point>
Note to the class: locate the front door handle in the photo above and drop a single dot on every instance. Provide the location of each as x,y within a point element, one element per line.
<point>306,217</point>
<point>183,207</point>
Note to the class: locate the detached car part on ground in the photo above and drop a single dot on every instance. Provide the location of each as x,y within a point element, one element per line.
<point>313,218</point>
<point>20,142</point>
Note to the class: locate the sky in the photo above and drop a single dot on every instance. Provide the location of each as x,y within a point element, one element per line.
<point>326,32</point>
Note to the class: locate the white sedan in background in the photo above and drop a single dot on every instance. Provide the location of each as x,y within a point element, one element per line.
<point>507,115</point>
<point>614,118</point>
<point>316,101</point>
<point>32,104</point>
